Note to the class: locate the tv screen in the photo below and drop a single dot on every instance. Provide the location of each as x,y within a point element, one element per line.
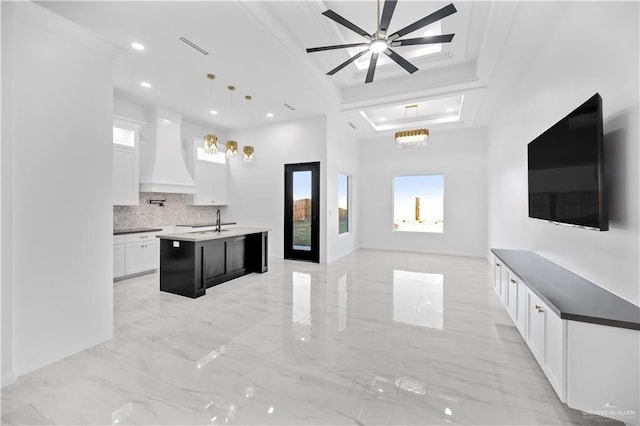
<point>566,170</point>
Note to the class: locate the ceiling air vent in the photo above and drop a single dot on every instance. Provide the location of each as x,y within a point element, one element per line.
<point>289,106</point>
<point>351,125</point>
<point>192,44</point>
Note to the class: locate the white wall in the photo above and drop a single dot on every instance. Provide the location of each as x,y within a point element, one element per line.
<point>61,117</point>
<point>256,191</point>
<point>343,156</point>
<point>588,47</point>
<point>6,296</point>
<point>461,156</point>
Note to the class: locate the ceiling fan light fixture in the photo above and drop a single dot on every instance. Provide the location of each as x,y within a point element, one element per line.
<point>378,46</point>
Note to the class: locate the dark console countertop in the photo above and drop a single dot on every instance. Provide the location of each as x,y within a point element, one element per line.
<point>202,225</point>
<point>134,230</point>
<point>569,295</point>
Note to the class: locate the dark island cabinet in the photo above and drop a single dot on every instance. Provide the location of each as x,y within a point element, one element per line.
<point>188,268</point>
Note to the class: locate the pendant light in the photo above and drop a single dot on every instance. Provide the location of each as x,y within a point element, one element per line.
<point>408,137</point>
<point>247,150</point>
<point>231,147</point>
<point>210,139</point>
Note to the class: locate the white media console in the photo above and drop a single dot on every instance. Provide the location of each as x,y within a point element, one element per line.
<point>585,339</point>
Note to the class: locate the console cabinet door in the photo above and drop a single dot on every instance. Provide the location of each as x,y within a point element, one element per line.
<point>521,308</point>
<point>511,297</point>
<point>554,351</point>
<point>535,326</point>
<point>497,276</point>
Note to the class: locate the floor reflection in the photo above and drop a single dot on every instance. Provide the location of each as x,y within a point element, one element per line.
<point>418,298</point>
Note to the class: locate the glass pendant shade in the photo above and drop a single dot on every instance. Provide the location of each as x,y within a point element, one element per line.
<point>231,149</point>
<point>248,154</point>
<point>412,137</point>
<point>210,143</point>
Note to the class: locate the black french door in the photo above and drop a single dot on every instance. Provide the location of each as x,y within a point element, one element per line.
<point>302,211</point>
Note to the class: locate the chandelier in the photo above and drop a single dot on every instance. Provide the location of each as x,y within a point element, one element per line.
<point>247,151</point>
<point>210,139</point>
<point>231,148</point>
<point>417,136</point>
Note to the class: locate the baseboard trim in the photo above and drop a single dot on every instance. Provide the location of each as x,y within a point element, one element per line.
<point>435,252</point>
<point>8,379</point>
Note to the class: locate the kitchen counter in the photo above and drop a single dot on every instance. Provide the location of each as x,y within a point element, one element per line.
<point>197,236</point>
<point>203,225</point>
<point>134,230</point>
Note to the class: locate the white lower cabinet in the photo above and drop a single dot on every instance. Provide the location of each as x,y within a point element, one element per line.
<point>555,356</point>
<point>511,296</point>
<point>135,253</point>
<point>542,329</point>
<point>591,367</point>
<point>118,256</point>
<point>534,335</point>
<point>498,268</point>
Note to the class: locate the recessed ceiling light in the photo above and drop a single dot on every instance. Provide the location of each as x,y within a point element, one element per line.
<point>213,112</point>
<point>450,109</point>
<point>383,118</point>
<point>270,114</point>
<point>145,84</point>
<point>137,46</point>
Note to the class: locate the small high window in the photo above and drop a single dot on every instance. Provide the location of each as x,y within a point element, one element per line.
<point>124,137</point>
<point>218,157</point>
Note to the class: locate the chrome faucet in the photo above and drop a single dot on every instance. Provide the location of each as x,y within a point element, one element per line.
<point>218,221</point>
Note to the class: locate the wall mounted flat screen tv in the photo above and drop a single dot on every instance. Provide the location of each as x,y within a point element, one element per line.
<point>566,170</point>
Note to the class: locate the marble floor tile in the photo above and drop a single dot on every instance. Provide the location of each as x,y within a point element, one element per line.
<point>376,338</point>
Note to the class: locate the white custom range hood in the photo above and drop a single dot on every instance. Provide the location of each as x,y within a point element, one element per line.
<point>162,165</point>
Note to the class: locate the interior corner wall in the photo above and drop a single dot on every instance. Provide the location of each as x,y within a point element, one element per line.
<point>6,290</point>
<point>256,190</point>
<point>61,118</point>
<point>343,156</point>
<point>589,47</point>
<point>459,155</point>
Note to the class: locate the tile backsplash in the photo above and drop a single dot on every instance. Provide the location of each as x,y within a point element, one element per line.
<point>174,212</point>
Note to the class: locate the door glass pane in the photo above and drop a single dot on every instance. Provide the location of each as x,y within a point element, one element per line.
<point>343,203</point>
<point>302,210</point>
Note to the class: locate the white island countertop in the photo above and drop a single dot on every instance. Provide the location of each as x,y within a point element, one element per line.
<point>196,236</point>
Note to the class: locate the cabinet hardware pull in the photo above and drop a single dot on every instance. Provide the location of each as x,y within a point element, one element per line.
<point>514,281</point>
<point>498,265</point>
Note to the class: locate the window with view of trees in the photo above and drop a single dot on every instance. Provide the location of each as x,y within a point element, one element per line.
<point>418,203</point>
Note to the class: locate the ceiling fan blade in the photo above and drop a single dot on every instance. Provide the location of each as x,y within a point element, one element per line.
<point>347,62</point>
<point>337,46</point>
<point>372,68</point>
<point>387,13</point>
<point>429,19</point>
<point>408,66</point>
<point>444,38</point>
<point>345,23</point>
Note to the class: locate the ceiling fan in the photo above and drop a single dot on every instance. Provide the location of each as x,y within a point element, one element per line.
<point>380,42</point>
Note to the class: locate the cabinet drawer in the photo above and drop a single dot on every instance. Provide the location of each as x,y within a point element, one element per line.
<point>136,238</point>
<point>118,239</point>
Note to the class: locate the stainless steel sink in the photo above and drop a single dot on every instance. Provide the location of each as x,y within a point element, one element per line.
<point>211,231</point>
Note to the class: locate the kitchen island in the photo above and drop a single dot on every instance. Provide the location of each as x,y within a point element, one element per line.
<point>191,262</point>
